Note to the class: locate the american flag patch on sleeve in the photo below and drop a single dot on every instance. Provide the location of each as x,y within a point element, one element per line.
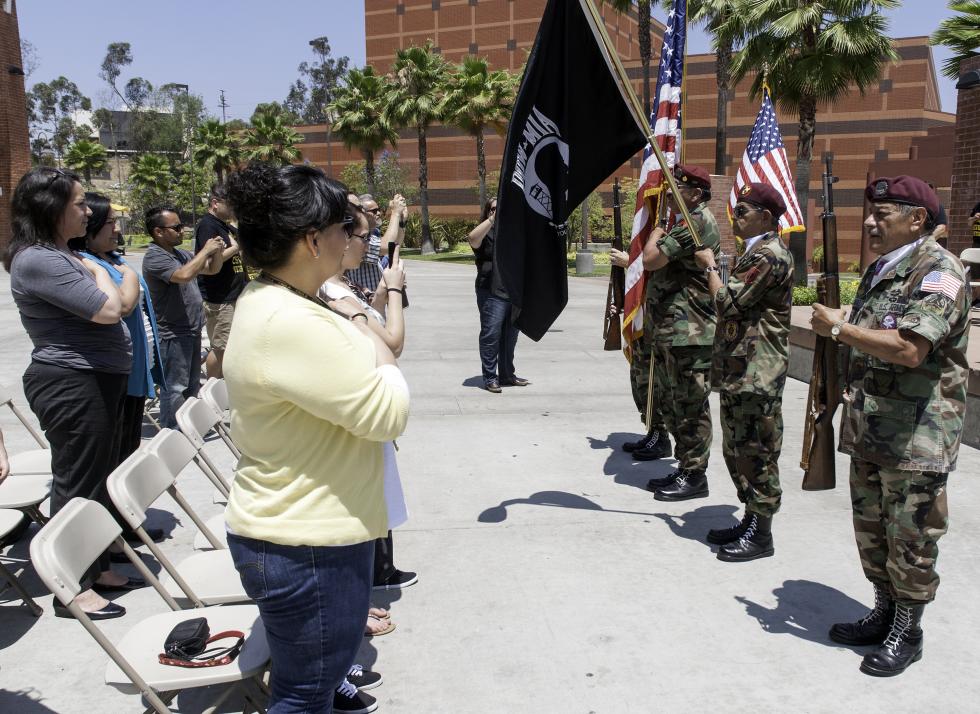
<point>939,282</point>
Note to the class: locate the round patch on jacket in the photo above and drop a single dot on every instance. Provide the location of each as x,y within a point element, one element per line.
<point>889,322</point>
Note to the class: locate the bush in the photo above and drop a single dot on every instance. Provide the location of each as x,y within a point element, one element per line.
<point>446,232</point>
<point>808,296</point>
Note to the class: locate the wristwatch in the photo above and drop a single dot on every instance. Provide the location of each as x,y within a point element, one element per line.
<point>710,269</point>
<point>835,330</point>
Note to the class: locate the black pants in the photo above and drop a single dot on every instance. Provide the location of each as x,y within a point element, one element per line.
<point>384,559</point>
<point>131,426</point>
<point>80,414</point>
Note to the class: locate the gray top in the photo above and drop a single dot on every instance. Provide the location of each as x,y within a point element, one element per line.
<point>57,297</point>
<point>179,307</point>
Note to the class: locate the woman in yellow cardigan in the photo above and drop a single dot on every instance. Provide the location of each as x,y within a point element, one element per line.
<point>314,395</point>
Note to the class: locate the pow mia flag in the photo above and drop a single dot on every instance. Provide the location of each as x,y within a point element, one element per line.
<point>571,128</point>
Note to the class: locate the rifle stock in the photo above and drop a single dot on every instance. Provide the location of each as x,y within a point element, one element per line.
<point>817,461</point>
<point>612,329</point>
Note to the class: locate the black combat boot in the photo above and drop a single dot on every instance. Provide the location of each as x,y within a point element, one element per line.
<point>646,442</point>
<point>902,645</point>
<point>755,542</point>
<point>721,536</point>
<point>873,627</point>
<point>657,483</point>
<point>659,448</point>
<point>690,484</point>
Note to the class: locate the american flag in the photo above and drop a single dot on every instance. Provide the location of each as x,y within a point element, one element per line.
<point>765,161</point>
<point>938,282</point>
<point>665,118</point>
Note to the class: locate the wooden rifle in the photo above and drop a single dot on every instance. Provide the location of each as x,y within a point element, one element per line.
<point>817,462</point>
<point>612,329</point>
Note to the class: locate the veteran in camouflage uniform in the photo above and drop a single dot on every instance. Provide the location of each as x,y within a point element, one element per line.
<point>682,322</point>
<point>751,360</point>
<point>903,414</point>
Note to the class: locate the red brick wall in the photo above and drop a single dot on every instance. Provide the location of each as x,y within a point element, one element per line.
<point>15,157</point>
<point>966,163</point>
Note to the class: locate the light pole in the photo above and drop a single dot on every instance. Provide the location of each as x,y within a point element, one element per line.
<point>190,151</point>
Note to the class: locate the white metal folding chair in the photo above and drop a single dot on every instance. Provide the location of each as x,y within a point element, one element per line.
<point>62,552</point>
<point>206,578</point>
<point>10,520</point>
<point>196,418</point>
<point>34,461</point>
<point>215,393</point>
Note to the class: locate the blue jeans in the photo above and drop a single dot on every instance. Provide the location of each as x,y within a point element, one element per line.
<point>498,336</point>
<point>181,360</point>
<point>314,601</point>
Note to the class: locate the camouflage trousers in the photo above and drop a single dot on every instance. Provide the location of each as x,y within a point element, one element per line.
<point>685,396</point>
<point>899,517</point>
<point>640,379</point>
<point>752,438</point>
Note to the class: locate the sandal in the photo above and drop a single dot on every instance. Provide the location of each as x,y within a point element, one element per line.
<point>385,627</point>
<point>379,612</point>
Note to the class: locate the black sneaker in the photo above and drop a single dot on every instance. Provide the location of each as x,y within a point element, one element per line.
<point>350,700</point>
<point>363,678</point>
<point>397,580</point>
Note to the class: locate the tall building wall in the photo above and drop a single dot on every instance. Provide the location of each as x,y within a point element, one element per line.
<point>15,158</point>
<point>966,162</point>
<point>859,130</point>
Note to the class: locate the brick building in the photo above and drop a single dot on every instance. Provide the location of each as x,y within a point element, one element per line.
<point>15,157</point>
<point>881,126</point>
<point>966,161</point>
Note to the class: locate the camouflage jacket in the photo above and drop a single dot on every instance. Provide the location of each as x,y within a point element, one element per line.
<point>752,342</point>
<point>910,418</point>
<point>677,297</point>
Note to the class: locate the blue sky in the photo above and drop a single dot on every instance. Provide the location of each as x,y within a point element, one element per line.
<point>251,48</point>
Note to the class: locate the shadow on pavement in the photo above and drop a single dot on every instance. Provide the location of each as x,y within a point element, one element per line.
<point>476,381</point>
<point>621,466</point>
<point>25,701</point>
<point>552,499</point>
<point>694,525</point>
<point>805,609</point>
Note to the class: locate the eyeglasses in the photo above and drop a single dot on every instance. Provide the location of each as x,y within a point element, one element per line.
<point>365,238</point>
<point>742,211</point>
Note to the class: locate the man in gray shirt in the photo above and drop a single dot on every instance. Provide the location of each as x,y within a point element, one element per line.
<point>171,275</point>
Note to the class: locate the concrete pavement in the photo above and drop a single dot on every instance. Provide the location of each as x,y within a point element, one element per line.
<point>549,580</point>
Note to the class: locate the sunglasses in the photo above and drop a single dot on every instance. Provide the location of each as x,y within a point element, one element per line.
<point>175,227</point>
<point>743,211</point>
<point>57,174</point>
<point>376,210</point>
<point>348,224</point>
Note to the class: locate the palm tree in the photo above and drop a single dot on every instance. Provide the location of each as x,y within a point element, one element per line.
<point>475,99</point>
<point>359,119</point>
<point>960,33</point>
<point>813,51</point>
<point>272,140</point>
<point>646,50</point>
<point>216,148</point>
<point>413,100</point>
<point>152,175</point>
<point>86,156</point>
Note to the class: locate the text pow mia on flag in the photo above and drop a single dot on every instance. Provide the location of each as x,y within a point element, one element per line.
<point>570,130</point>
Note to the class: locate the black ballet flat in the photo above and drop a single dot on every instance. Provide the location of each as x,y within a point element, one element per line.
<point>107,613</point>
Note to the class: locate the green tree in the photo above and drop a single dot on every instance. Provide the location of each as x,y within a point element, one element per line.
<point>191,187</point>
<point>215,148</point>
<point>413,101</point>
<point>389,178</point>
<point>814,52</point>
<point>359,119</point>
<point>152,174</point>
<point>271,140</point>
<point>51,109</point>
<point>86,156</point>
<point>646,48</point>
<point>475,99</point>
<point>308,99</point>
<point>960,33</point>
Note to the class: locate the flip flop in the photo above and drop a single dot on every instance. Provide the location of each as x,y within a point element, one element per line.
<point>389,627</point>
<point>373,612</point>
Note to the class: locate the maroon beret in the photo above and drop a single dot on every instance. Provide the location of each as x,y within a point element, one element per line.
<point>693,176</point>
<point>904,189</point>
<point>764,196</point>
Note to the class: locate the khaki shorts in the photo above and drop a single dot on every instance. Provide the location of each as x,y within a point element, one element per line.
<point>217,317</point>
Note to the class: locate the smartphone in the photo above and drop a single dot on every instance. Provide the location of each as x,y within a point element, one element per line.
<point>392,245</point>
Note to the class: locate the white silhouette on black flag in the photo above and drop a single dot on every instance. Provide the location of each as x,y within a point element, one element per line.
<point>570,130</point>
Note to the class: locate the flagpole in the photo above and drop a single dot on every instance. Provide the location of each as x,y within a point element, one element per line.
<point>626,88</point>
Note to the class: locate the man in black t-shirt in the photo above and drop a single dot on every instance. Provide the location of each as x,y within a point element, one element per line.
<point>219,291</point>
